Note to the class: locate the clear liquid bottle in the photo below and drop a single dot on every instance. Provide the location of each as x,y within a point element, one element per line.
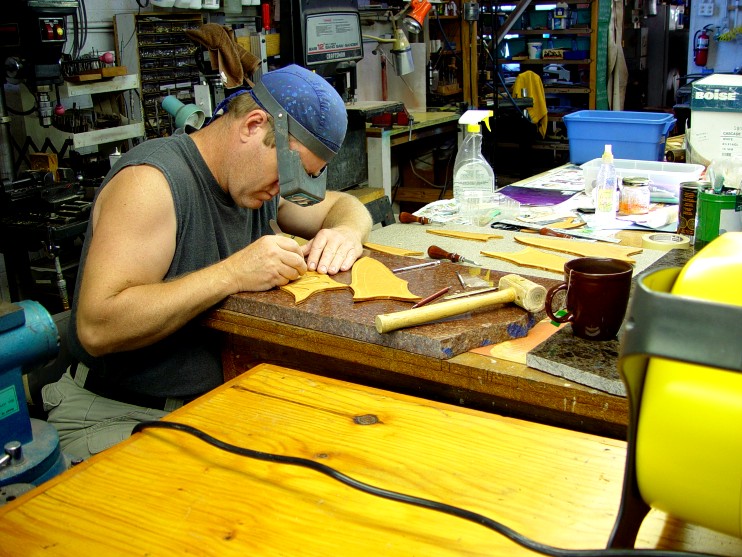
<point>605,193</point>
<point>471,171</point>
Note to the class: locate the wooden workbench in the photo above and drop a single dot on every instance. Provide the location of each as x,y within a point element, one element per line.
<point>380,141</point>
<point>163,492</point>
<point>468,379</point>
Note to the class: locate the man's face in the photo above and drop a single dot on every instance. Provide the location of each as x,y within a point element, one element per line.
<point>258,181</point>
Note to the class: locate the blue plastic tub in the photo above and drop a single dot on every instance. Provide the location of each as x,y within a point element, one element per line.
<point>633,135</point>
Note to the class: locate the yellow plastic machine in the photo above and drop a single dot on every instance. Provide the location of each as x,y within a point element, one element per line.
<point>681,358</point>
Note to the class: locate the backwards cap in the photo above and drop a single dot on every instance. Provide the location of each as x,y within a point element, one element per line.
<point>317,115</point>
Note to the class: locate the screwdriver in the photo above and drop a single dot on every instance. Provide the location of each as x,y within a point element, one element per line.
<point>406,218</point>
<point>439,253</point>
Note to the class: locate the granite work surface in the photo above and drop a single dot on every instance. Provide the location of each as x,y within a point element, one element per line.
<point>334,312</point>
<point>415,237</point>
<point>590,362</point>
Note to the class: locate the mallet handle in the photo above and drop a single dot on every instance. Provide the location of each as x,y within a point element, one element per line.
<point>388,322</point>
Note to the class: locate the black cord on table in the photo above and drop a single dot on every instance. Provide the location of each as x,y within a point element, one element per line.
<point>498,527</point>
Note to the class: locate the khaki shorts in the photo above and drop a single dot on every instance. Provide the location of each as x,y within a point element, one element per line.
<point>87,423</point>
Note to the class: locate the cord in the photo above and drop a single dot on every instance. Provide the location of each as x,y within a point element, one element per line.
<point>498,527</point>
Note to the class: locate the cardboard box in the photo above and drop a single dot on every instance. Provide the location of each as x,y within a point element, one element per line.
<point>716,118</point>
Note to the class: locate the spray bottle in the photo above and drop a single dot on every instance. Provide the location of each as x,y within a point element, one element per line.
<point>471,171</point>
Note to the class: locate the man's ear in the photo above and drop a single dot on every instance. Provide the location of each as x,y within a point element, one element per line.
<point>254,122</point>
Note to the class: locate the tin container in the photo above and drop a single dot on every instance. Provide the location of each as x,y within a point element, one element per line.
<point>634,196</point>
<point>717,213</point>
<point>675,155</point>
<point>688,202</point>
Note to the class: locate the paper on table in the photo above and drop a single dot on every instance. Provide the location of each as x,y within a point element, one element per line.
<point>516,350</point>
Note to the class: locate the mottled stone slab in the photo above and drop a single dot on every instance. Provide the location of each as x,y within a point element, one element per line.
<point>334,312</point>
<point>587,362</point>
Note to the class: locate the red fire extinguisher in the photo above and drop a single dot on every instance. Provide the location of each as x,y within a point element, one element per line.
<point>701,47</point>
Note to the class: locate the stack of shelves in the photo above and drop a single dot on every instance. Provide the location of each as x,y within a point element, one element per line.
<point>166,60</point>
<point>567,68</point>
<point>103,93</point>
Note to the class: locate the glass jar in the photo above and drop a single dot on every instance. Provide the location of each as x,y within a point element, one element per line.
<point>634,196</point>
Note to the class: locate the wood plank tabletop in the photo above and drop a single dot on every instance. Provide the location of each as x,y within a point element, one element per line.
<point>164,492</point>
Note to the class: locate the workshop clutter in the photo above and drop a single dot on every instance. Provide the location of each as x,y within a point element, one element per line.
<point>634,135</point>
<point>716,118</point>
<point>661,175</point>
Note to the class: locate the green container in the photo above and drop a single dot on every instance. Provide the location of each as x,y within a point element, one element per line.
<point>717,213</point>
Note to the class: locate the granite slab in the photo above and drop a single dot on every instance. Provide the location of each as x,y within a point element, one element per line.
<point>589,362</point>
<point>334,312</point>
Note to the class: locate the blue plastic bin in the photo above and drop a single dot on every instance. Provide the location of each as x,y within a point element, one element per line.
<point>633,135</point>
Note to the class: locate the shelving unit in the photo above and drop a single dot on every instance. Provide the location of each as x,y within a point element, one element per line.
<point>568,73</point>
<point>570,79</point>
<point>456,59</point>
<point>108,118</point>
<point>446,60</point>
<point>127,129</point>
<point>165,57</point>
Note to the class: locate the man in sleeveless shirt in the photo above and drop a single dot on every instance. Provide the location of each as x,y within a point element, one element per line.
<point>179,224</point>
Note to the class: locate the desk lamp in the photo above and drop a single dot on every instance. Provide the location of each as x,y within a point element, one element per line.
<point>184,114</point>
<point>681,360</point>
<point>413,22</point>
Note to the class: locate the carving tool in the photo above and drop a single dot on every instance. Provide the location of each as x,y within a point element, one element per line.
<point>418,266</point>
<point>547,232</point>
<point>471,293</point>
<point>439,253</point>
<point>406,218</point>
<point>512,288</point>
<point>432,297</point>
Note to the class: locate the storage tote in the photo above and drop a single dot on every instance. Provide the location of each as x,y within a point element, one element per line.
<point>634,135</point>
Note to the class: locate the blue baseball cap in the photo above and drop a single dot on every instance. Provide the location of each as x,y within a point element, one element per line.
<point>317,114</point>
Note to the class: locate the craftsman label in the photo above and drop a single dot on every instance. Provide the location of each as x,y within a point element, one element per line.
<point>8,402</point>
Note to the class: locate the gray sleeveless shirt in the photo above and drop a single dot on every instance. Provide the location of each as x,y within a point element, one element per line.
<point>210,227</point>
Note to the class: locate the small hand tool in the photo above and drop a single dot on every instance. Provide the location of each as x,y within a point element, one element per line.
<point>406,218</point>
<point>471,293</point>
<point>418,266</point>
<point>546,232</point>
<point>439,253</point>
<point>432,297</point>
<point>512,288</point>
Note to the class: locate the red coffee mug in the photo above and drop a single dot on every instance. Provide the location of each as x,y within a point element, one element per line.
<point>597,296</point>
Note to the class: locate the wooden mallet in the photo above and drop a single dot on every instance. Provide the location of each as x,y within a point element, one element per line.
<point>511,288</point>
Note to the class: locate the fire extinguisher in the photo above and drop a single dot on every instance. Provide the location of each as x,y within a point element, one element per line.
<point>701,47</point>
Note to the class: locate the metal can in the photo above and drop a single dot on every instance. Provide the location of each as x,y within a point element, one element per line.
<point>675,155</point>
<point>717,213</point>
<point>634,196</point>
<point>688,203</point>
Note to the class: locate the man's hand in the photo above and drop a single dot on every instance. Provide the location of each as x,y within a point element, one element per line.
<point>269,261</point>
<point>333,250</point>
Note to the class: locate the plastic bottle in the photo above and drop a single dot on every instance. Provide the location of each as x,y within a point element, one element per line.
<point>605,193</point>
<point>471,171</point>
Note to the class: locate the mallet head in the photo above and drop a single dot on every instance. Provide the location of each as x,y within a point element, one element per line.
<point>528,295</point>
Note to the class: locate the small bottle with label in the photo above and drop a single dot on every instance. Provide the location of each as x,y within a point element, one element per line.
<point>605,193</point>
